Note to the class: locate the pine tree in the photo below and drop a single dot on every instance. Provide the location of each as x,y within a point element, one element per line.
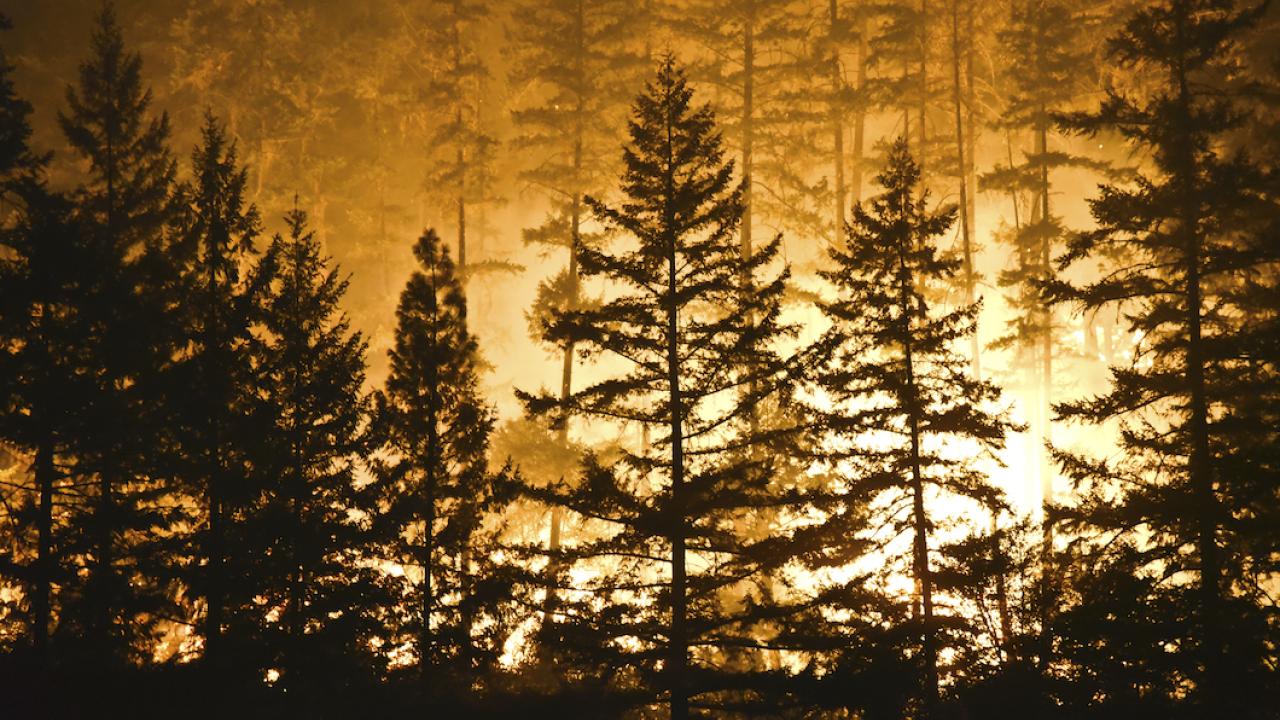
<point>463,148</point>
<point>215,413</point>
<point>1182,240</point>
<point>903,51</point>
<point>756,59</point>
<point>307,529</point>
<point>668,517</point>
<point>902,396</point>
<point>577,61</point>
<point>435,487</point>
<point>127,204</point>
<point>39,293</point>
<point>1046,44</point>
<point>847,27</point>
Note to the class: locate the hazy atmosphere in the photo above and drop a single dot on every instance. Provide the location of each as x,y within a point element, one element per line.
<point>640,358</point>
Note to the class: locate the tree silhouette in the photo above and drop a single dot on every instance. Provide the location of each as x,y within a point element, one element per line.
<point>1181,235</point>
<point>903,398</point>
<point>435,486</point>
<point>699,356</point>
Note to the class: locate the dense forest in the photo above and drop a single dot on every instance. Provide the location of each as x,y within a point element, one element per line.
<point>865,359</point>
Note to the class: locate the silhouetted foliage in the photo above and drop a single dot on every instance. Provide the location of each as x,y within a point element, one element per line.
<point>434,487</point>
<point>233,482</point>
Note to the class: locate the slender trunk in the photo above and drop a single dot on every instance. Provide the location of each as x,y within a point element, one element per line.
<point>837,123</point>
<point>575,237</point>
<point>566,390</point>
<point>921,129</point>
<point>101,581</point>
<point>214,592</point>
<point>1041,260</point>
<point>460,158</point>
<point>748,130</point>
<point>1002,593</point>
<point>298,485</point>
<point>462,233</point>
<point>860,112</point>
<point>969,275</point>
<point>970,122</point>
<point>1013,193</point>
<point>426,639</point>
<point>1212,695</point>
<point>678,642</point>
<point>1046,325</point>
<point>919,521</point>
<point>432,463</point>
<point>45,477</point>
<point>212,367</point>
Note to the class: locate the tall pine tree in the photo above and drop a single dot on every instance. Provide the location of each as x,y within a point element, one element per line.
<point>41,276</point>
<point>907,418</point>
<point>128,203</point>
<point>699,355</point>
<point>1045,45</point>
<point>435,486</point>
<point>577,62</point>
<point>1170,515</point>
<point>214,385</point>
<point>309,524</point>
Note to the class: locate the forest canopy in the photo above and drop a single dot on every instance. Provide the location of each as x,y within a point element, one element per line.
<point>857,359</point>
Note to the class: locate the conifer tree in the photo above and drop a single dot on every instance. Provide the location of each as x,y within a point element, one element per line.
<point>848,100</point>
<point>461,145</point>
<point>756,59</point>
<point>435,487</point>
<point>578,62</point>
<point>42,280</point>
<point>127,203</point>
<point>308,527</point>
<point>1046,44</point>
<point>694,343</point>
<point>1182,238</point>
<point>38,382</point>
<point>902,396</point>
<point>905,82</point>
<point>215,383</point>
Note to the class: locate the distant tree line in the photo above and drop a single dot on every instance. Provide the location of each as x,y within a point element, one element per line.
<point>208,509</point>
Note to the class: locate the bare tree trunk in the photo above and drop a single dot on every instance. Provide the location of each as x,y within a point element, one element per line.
<point>969,274</point>
<point>860,113</point>
<point>837,124</point>
<point>922,130</point>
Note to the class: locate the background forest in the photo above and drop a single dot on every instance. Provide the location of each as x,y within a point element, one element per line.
<point>640,358</point>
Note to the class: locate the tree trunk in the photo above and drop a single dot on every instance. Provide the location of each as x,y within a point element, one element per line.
<point>678,650</point>
<point>837,124</point>
<point>969,275</point>
<point>1200,465</point>
<point>921,130</point>
<point>1044,260</point>
<point>431,463</point>
<point>860,112</point>
<point>748,130</point>
<point>919,520</point>
<point>679,641</point>
<point>45,477</point>
<point>971,124</point>
<point>575,236</point>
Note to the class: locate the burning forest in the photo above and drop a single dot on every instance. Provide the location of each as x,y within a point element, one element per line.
<point>864,359</point>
